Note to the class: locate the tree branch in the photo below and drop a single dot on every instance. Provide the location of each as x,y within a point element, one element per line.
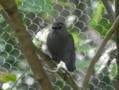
<point>117,35</point>
<point>116,79</point>
<point>64,75</point>
<point>109,9</point>
<point>98,54</point>
<point>26,44</point>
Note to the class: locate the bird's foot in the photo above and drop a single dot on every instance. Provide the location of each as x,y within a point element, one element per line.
<point>54,70</point>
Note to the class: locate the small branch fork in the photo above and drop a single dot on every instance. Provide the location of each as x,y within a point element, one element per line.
<point>62,73</point>
<point>31,51</point>
<point>98,54</point>
<point>110,11</point>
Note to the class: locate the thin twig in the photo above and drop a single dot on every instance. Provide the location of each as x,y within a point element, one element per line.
<point>109,10</point>
<point>17,81</point>
<point>98,54</point>
<point>117,35</point>
<point>116,78</point>
<point>64,75</point>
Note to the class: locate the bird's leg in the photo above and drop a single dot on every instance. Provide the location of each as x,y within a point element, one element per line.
<point>59,66</point>
<point>54,70</point>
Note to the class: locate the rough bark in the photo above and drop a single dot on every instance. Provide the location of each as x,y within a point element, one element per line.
<point>26,43</point>
<point>109,10</point>
<point>117,34</point>
<point>116,79</point>
<point>99,52</point>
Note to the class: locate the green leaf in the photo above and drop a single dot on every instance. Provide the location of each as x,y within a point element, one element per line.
<point>17,1</point>
<point>113,70</point>
<point>8,77</point>
<point>66,4</point>
<point>59,83</point>
<point>99,20</point>
<point>75,36</point>
<point>96,14</point>
<point>1,6</point>
<point>103,25</point>
<point>37,6</point>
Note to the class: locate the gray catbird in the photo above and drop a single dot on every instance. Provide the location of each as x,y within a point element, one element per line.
<point>60,44</point>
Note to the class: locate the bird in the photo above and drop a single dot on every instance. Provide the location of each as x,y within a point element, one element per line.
<point>60,44</point>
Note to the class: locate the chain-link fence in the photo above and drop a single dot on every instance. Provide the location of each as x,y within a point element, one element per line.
<point>88,22</point>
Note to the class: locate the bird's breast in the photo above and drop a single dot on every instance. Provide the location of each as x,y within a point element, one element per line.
<point>58,40</point>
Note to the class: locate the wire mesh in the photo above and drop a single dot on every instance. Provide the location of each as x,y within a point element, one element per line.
<point>87,21</point>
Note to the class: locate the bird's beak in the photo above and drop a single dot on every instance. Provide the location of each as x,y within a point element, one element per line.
<point>55,27</point>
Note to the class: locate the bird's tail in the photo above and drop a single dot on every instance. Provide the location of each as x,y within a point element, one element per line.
<point>70,66</point>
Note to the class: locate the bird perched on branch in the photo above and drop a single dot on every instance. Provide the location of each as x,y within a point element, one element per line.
<point>60,44</point>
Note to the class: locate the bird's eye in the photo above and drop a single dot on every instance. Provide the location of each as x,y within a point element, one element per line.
<point>57,25</point>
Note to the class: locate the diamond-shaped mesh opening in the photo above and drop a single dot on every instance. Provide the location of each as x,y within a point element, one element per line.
<point>87,21</point>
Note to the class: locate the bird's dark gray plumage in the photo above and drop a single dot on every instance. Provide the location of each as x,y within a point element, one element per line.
<point>61,45</point>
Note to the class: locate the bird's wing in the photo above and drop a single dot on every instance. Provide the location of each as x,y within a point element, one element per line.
<point>70,54</point>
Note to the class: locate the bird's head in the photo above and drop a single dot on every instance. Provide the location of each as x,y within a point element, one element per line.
<point>58,25</point>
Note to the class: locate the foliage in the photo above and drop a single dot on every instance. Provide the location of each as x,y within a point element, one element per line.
<point>42,6</point>
<point>99,20</point>
<point>17,1</point>
<point>96,14</point>
<point>75,36</point>
<point>112,73</point>
<point>66,4</point>
<point>6,77</point>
